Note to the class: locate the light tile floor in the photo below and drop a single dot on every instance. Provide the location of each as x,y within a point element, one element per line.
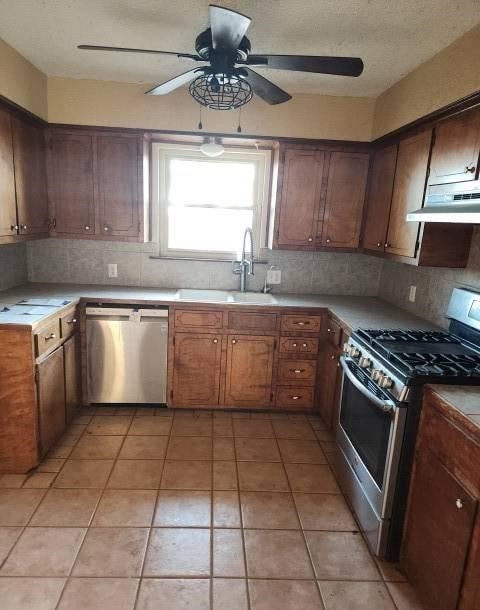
<point>147,509</point>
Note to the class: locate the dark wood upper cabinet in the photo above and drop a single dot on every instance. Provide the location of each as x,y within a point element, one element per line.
<point>299,198</point>
<point>8,212</point>
<point>119,192</point>
<point>249,371</point>
<point>70,183</point>
<point>456,151</point>
<point>347,179</point>
<point>408,193</point>
<point>379,198</point>
<point>196,369</point>
<point>30,177</point>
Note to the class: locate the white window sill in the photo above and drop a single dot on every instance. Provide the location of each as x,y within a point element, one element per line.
<point>205,260</point>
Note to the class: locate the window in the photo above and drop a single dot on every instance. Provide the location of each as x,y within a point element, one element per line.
<point>205,204</point>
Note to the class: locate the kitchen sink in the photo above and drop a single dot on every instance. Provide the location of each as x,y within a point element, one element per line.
<point>217,296</point>
<point>254,297</point>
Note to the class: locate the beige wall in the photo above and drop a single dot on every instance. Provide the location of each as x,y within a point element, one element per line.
<point>123,104</point>
<point>21,82</point>
<point>448,76</point>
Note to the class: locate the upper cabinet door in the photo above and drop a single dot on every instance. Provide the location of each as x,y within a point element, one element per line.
<point>70,183</point>
<point>119,192</point>
<point>408,193</point>
<point>456,151</point>
<point>300,198</point>
<point>347,181</point>
<point>30,178</point>
<point>379,198</point>
<point>8,212</point>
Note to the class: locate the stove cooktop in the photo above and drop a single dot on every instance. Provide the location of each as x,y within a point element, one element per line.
<point>424,354</point>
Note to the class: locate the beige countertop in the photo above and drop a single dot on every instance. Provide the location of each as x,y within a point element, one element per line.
<point>464,399</point>
<point>353,311</point>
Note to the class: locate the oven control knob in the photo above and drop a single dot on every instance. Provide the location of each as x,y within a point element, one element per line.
<point>386,382</point>
<point>377,374</point>
<point>364,362</point>
<point>355,352</point>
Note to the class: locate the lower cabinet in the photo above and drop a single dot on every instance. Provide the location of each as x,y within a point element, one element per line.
<point>73,377</point>
<point>51,399</point>
<point>196,369</point>
<point>249,371</point>
<point>328,390</point>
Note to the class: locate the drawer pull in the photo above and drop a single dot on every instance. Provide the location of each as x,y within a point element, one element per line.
<point>87,227</point>
<point>234,341</point>
<point>458,503</point>
<point>304,345</point>
<point>331,330</point>
<point>306,323</point>
<point>50,336</point>
<point>379,244</point>
<point>294,345</point>
<point>295,397</point>
<point>297,371</point>
<point>14,227</point>
<point>215,341</point>
<point>72,321</point>
<point>332,356</point>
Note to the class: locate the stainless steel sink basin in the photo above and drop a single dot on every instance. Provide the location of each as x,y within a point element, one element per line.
<point>215,296</point>
<point>254,297</point>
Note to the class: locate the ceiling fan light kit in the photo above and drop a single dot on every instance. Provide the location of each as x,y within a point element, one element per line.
<point>229,82</point>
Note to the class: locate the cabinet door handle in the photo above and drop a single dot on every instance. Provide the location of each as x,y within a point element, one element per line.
<point>105,228</point>
<point>458,503</point>
<point>388,245</point>
<point>470,169</point>
<point>332,356</point>
<point>50,336</point>
<point>331,330</point>
<point>379,244</point>
<point>215,341</point>
<point>304,345</point>
<point>72,321</point>
<point>310,239</point>
<point>87,227</point>
<point>234,341</point>
<point>327,241</point>
<point>294,345</point>
<point>14,227</point>
<point>297,371</point>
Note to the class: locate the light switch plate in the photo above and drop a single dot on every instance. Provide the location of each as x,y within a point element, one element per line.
<point>412,294</point>
<point>112,270</point>
<point>274,276</point>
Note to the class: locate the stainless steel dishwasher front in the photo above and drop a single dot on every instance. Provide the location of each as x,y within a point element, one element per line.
<point>127,354</point>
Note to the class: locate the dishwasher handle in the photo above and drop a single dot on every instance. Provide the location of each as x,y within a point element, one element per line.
<point>135,314</point>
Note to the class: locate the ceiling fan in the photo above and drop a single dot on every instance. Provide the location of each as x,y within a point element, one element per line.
<point>227,80</point>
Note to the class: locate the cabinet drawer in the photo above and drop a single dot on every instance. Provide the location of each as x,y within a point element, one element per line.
<point>294,398</point>
<point>251,321</point>
<point>298,345</point>
<point>297,371</point>
<point>68,323</point>
<point>334,333</point>
<point>190,318</point>
<point>47,337</point>
<point>309,324</point>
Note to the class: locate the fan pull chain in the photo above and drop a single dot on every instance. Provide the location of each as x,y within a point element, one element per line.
<point>200,124</point>
<point>239,128</point>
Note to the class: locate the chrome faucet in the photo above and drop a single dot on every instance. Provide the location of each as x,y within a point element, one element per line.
<point>240,267</point>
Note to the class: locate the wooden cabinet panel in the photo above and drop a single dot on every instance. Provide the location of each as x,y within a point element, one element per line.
<point>297,372</point>
<point>51,399</point>
<point>118,185</point>
<point>298,345</point>
<point>249,371</point>
<point>188,318</point>
<point>294,398</point>
<point>68,323</point>
<point>300,197</point>
<point>328,387</point>
<point>379,198</point>
<point>73,381</point>
<point>70,183</point>
<point>295,322</point>
<point>456,150</point>
<point>408,193</point>
<point>196,369</point>
<point>438,530</point>
<point>251,321</point>
<point>347,180</point>
<point>30,178</point>
<point>334,333</point>
<point>8,212</point>
<point>47,337</point>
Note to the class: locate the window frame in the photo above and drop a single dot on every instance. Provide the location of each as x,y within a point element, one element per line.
<point>163,152</point>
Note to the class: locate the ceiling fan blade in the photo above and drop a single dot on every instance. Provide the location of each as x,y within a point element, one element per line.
<point>265,89</point>
<point>173,83</point>
<point>93,47</point>
<point>341,66</point>
<point>228,27</point>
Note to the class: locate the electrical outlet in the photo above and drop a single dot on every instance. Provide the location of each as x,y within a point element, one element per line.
<point>274,276</point>
<point>112,270</point>
<point>412,294</point>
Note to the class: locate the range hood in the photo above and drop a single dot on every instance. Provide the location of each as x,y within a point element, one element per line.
<point>459,203</point>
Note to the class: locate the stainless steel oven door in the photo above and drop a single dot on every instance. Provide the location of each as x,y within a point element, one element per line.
<point>370,434</point>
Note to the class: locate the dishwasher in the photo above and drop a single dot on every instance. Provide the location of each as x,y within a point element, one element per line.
<point>126,354</point>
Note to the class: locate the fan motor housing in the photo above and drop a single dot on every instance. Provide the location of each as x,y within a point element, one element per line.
<point>204,48</point>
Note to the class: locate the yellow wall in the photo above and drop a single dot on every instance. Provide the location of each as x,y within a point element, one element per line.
<point>21,82</point>
<point>448,76</point>
<point>116,104</point>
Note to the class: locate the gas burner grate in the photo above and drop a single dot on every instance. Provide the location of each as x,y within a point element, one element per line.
<point>407,336</point>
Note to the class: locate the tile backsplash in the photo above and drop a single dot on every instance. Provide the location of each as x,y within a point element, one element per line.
<point>434,285</point>
<point>13,265</point>
<point>85,262</point>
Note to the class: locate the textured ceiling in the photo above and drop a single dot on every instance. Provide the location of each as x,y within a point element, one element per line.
<point>392,36</point>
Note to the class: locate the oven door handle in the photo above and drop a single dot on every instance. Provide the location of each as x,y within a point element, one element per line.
<point>387,406</point>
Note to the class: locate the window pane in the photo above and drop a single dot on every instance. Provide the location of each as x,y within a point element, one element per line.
<point>222,183</point>
<point>207,229</point>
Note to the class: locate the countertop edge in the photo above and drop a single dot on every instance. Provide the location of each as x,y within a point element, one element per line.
<point>452,411</point>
